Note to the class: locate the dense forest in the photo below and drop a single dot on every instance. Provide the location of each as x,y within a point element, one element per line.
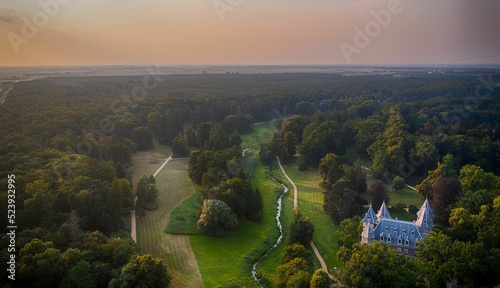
<point>69,142</point>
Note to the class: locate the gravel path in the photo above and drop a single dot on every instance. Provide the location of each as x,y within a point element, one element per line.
<point>313,246</point>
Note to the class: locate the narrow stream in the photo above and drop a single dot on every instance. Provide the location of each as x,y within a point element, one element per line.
<point>278,241</point>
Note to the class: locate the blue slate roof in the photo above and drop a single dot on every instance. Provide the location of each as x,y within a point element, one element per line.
<point>397,233</point>
<point>368,232</point>
<point>383,212</point>
<point>370,216</point>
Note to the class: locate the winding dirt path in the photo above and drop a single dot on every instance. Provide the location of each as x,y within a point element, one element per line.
<point>291,182</point>
<point>313,246</point>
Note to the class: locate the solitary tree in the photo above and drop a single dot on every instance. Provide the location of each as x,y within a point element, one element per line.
<point>378,193</point>
<point>216,218</point>
<point>179,146</point>
<point>301,229</point>
<point>444,193</point>
<point>398,183</point>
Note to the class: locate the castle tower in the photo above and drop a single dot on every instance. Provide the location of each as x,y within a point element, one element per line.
<point>367,235</point>
<point>425,218</point>
<point>370,217</point>
<point>383,213</point>
<point>369,222</point>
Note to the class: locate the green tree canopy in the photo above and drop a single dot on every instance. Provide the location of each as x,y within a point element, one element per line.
<point>179,146</point>
<point>216,218</point>
<point>301,229</point>
<point>377,265</point>
<point>320,279</point>
<point>143,271</point>
<point>143,137</point>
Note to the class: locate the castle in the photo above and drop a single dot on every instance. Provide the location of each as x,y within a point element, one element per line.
<point>403,236</point>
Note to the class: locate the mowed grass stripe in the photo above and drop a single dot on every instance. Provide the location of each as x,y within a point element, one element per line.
<point>310,202</point>
<point>174,186</point>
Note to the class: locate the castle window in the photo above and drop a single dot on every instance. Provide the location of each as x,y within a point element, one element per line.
<point>407,242</point>
<point>400,240</point>
<point>399,250</point>
<point>389,238</point>
<point>382,237</point>
<point>406,251</point>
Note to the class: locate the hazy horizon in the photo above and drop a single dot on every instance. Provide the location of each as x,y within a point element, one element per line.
<point>248,33</point>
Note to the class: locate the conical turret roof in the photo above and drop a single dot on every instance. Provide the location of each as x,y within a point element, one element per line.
<point>425,216</point>
<point>370,216</point>
<point>383,212</point>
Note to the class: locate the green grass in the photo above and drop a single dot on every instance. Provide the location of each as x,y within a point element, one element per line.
<point>228,260</point>
<point>184,217</point>
<point>267,266</point>
<point>174,187</point>
<point>310,202</point>
<point>404,216</point>
<point>235,253</point>
<point>162,153</point>
<point>407,197</point>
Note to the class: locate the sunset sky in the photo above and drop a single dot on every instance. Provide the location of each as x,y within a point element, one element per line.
<point>190,32</point>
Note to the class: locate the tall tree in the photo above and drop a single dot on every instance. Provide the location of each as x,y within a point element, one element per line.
<point>296,250</point>
<point>444,193</point>
<point>356,178</point>
<point>330,169</point>
<point>425,187</point>
<point>216,218</point>
<point>320,279</point>
<point>143,271</point>
<point>179,146</point>
<point>203,133</point>
<point>301,229</point>
<point>294,273</point>
<point>378,193</point>
<point>350,231</point>
<point>390,148</point>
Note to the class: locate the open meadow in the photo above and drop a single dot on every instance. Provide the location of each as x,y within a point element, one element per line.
<point>174,186</point>
<point>310,203</point>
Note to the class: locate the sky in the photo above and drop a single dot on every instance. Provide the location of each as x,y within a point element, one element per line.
<point>248,32</point>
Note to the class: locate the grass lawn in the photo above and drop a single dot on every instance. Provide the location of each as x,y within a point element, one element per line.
<point>184,217</point>
<point>310,202</point>
<point>407,197</point>
<point>174,186</point>
<point>228,261</point>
